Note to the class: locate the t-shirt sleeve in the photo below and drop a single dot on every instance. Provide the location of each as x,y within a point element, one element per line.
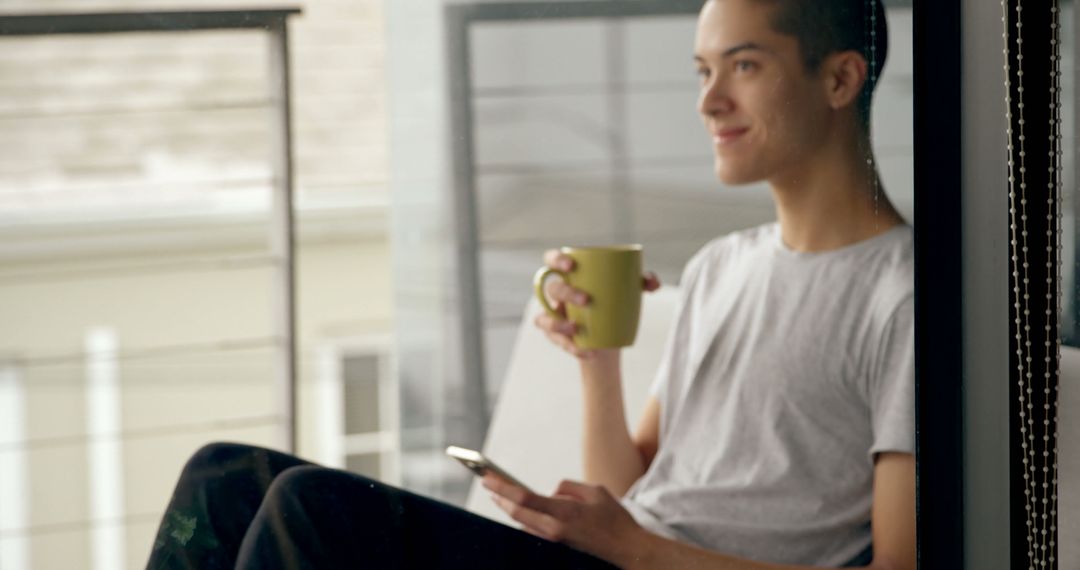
<point>892,385</point>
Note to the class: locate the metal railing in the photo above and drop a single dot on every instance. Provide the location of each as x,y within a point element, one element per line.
<point>274,21</point>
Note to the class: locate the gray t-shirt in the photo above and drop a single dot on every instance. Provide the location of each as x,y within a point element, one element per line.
<point>784,373</point>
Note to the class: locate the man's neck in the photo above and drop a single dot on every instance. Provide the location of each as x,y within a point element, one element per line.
<point>831,202</point>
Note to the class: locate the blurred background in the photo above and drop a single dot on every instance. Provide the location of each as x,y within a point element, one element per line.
<point>435,154</point>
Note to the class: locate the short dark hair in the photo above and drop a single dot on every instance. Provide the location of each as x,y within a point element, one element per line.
<point>824,27</point>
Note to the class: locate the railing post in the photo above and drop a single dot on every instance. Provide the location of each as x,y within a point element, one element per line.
<point>282,242</point>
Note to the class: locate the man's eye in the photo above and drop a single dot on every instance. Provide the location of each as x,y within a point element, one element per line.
<point>702,73</point>
<point>744,65</point>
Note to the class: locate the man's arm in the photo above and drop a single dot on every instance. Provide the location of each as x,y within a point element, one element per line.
<point>892,520</point>
<point>588,518</point>
<point>612,457</point>
<point>893,513</point>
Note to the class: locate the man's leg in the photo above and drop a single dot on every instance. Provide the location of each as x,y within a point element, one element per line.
<point>217,496</point>
<point>322,518</point>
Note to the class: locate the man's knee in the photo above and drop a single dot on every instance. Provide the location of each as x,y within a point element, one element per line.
<point>314,487</point>
<point>302,482</point>
<point>212,458</point>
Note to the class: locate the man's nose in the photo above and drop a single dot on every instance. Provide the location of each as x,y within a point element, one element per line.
<point>714,99</point>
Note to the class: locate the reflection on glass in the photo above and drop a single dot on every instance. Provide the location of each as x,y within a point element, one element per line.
<point>585,131</point>
<point>134,290</point>
<point>1068,420</point>
<point>136,279</point>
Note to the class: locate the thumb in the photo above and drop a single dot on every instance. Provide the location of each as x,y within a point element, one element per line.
<point>579,491</point>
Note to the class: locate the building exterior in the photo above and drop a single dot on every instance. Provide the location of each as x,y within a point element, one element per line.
<point>136,280</point>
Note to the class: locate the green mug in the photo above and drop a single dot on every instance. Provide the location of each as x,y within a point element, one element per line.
<point>611,277</point>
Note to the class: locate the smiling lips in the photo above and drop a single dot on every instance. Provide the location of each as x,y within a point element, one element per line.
<point>727,136</point>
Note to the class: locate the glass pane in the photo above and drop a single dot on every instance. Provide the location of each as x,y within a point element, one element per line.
<point>600,148</point>
<point>135,313</point>
<point>141,313</point>
<point>1069,305</point>
<point>139,291</point>
<point>1068,393</point>
<point>564,130</point>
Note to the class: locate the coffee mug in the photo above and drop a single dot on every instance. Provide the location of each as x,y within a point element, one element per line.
<point>611,277</point>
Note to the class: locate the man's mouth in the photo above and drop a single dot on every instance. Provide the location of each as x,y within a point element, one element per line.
<point>729,135</point>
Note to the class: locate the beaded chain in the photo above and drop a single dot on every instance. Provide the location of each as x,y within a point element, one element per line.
<point>871,9</point>
<point>1039,498</point>
<point>1053,236</point>
<point>1056,150</point>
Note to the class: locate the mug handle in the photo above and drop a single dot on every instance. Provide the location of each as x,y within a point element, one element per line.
<point>538,287</point>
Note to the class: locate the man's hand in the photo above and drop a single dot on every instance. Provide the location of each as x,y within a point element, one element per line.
<point>585,517</point>
<point>588,518</point>
<point>561,331</point>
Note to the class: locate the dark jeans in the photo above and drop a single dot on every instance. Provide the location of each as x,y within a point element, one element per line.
<point>238,506</point>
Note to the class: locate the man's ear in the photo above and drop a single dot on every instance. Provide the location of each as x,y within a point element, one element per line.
<point>845,74</point>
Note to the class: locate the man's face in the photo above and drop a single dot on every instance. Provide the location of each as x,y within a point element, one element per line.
<point>764,112</point>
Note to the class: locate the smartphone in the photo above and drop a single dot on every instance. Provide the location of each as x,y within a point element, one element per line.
<point>476,462</point>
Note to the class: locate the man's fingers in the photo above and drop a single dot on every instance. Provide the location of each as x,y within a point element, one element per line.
<point>573,489</point>
<point>558,260</point>
<point>550,324</point>
<point>559,508</point>
<point>650,282</point>
<point>568,345</point>
<point>517,494</point>
<point>535,522</point>
<point>561,292</point>
<point>503,488</point>
<point>561,332</point>
<point>580,491</point>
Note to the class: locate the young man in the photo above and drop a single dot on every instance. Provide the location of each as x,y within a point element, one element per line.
<point>780,430</point>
